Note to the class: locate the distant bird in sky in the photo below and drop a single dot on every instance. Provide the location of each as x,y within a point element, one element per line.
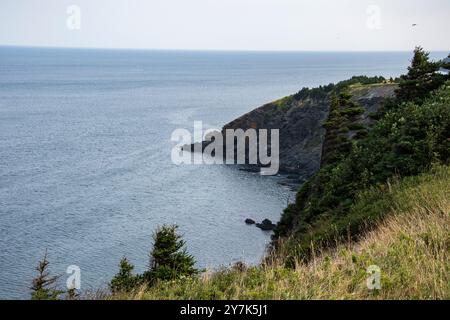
<point>414,24</point>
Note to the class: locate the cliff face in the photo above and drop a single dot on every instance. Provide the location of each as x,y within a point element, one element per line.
<point>301,131</point>
<point>303,136</point>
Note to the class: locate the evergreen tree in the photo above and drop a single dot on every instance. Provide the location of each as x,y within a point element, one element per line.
<point>446,64</point>
<point>169,259</point>
<point>124,280</point>
<point>421,78</point>
<point>43,287</point>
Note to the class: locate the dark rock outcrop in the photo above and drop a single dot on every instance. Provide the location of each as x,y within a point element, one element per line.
<point>300,127</point>
<point>266,225</point>
<point>250,221</point>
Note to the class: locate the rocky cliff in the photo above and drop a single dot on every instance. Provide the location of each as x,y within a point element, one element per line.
<point>301,132</point>
<point>316,124</point>
<point>301,124</point>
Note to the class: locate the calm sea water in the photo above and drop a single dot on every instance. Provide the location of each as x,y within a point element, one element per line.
<point>85,167</point>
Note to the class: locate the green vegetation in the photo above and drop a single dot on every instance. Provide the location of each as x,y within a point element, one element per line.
<point>410,246</point>
<point>343,115</point>
<point>283,102</point>
<point>407,140</point>
<point>125,280</point>
<point>358,81</point>
<point>421,78</point>
<point>44,285</point>
<point>169,260</point>
<point>446,65</point>
<point>323,92</point>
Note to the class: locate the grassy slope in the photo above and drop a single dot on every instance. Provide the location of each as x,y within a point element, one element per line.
<point>411,246</point>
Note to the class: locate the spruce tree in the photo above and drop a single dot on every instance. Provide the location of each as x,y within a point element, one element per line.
<point>421,78</point>
<point>169,258</point>
<point>44,285</point>
<point>124,280</point>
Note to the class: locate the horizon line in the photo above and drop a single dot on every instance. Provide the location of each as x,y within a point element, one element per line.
<point>214,50</point>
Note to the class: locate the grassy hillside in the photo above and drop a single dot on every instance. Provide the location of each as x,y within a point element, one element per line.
<point>410,246</point>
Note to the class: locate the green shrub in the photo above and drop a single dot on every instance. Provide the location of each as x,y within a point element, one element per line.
<point>125,280</point>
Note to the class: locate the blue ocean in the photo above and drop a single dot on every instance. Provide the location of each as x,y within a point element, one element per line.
<point>85,153</point>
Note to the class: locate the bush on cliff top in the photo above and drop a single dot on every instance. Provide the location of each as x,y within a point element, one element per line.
<point>323,92</point>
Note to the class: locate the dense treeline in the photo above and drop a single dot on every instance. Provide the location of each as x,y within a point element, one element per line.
<point>322,92</point>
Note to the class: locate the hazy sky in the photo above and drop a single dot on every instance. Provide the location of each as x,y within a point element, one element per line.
<point>228,24</point>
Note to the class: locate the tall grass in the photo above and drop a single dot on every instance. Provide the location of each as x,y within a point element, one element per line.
<point>410,245</point>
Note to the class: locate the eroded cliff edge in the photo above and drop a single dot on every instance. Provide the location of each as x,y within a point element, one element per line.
<point>301,119</point>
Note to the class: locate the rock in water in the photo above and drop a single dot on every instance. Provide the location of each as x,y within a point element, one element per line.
<point>250,221</point>
<point>266,225</point>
